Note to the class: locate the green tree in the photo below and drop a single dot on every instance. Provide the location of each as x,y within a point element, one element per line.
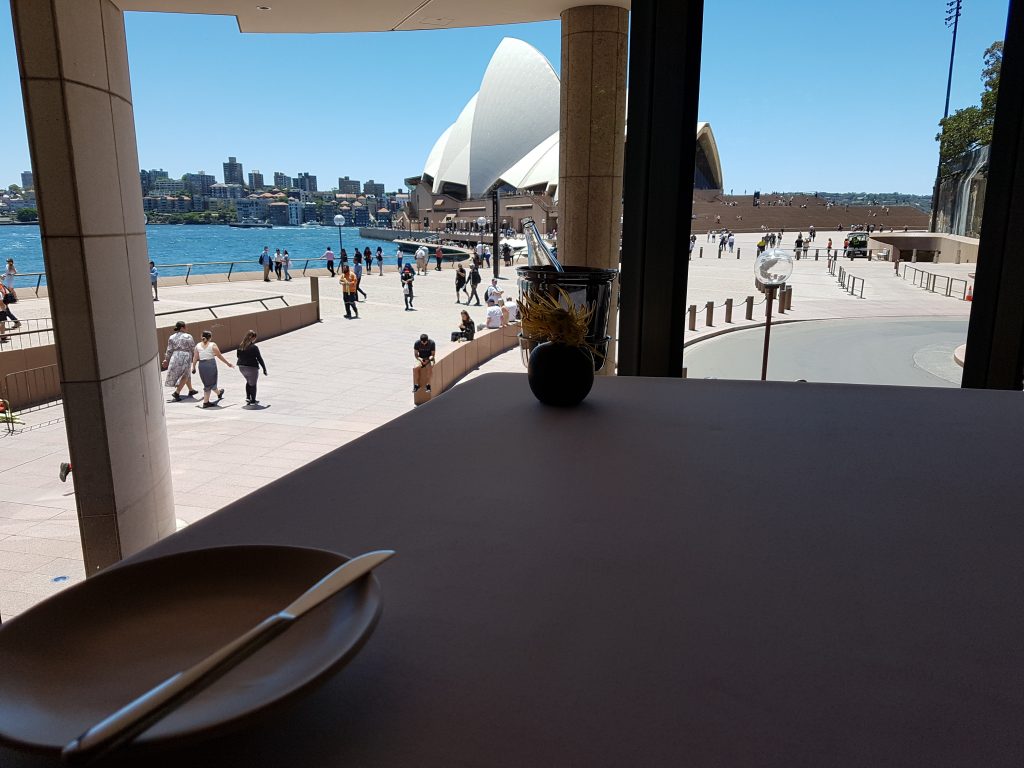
<point>26,214</point>
<point>971,127</point>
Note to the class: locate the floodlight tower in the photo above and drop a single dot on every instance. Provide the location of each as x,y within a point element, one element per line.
<point>953,11</point>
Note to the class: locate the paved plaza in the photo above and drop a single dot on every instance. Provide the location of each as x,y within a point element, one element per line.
<point>332,382</point>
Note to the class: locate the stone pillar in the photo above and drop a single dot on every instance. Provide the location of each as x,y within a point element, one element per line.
<point>74,78</point>
<point>592,140</point>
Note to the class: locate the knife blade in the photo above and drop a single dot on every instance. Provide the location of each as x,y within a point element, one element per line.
<point>139,715</point>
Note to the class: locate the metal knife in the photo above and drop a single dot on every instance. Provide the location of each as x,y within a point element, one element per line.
<point>128,722</point>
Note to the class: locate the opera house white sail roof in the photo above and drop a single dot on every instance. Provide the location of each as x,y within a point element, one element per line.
<point>497,140</point>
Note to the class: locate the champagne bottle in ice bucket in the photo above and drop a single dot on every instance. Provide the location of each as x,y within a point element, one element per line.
<point>537,251</point>
<point>586,289</point>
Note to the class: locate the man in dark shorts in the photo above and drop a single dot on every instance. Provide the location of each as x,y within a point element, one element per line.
<point>423,350</point>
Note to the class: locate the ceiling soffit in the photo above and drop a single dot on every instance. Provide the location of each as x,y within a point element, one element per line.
<point>314,16</point>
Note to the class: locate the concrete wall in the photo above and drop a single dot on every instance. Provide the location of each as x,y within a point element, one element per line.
<point>465,357</point>
<point>34,389</point>
<point>931,246</point>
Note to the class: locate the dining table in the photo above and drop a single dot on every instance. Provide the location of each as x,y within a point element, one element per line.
<point>684,573</point>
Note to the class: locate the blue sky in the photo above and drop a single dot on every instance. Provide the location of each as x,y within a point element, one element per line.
<point>801,95</point>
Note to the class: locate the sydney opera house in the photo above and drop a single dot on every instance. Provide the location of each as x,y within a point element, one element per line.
<point>507,139</point>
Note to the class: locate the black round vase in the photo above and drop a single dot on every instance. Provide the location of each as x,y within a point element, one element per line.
<point>560,374</point>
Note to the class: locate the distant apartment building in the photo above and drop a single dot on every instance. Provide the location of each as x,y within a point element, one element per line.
<point>309,212</point>
<point>166,204</point>
<point>227,191</point>
<point>250,208</point>
<point>167,187</point>
<point>383,217</point>
<point>306,182</point>
<point>199,183</point>
<point>255,180</point>
<point>26,180</point>
<point>277,214</point>
<point>282,180</point>
<point>347,186</point>
<point>328,212</point>
<point>146,178</point>
<point>294,213</point>
<point>233,172</point>
<point>373,188</point>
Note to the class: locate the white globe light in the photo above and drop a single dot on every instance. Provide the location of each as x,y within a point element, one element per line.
<point>774,267</point>
<point>339,220</point>
<point>481,221</point>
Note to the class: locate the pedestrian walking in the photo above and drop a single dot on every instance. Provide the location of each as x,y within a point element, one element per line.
<point>421,260</point>
<point>438,255</point>
<point>368,260</point>
<point>10,296</point>
<point>398,258</point>
<point>348,282</point>
<point>460,283</point>
<point>154,275</point>
<point>343,256</point>
<point>205,358</point>
<point>380,261</point>
<point>828,247</point>
<point>178,359</point>
<point>506,253</point>
<point>278,262</point>
<point>474,282</point>
<point>357,268</point>
<point>248,357</point>
<point>732,242</point>
<point>424,351</point>
<point>487,255</point>
<point>329,255</point>
<point>407,280</point>
<point>286,263</point>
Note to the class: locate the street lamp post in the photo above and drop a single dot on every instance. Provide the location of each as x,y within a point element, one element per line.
<point>771,269</point>
<point>480,221</point>
<point>953,10</point>
<point>339,222</point>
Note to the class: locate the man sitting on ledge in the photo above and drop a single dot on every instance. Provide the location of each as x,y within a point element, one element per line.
<point>423,351</point>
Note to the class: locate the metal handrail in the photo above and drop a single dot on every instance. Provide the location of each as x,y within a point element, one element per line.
<point>212,307</point>
<point>928,280</point>
<point>37,275</point>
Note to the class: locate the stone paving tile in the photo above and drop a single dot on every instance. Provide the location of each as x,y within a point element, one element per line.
<point>334,381</point>
<point>33,544</point>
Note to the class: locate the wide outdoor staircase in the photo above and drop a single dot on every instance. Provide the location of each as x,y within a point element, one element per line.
<point>794,218</point>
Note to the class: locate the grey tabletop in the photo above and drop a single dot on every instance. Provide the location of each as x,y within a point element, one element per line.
<point>698,573</point>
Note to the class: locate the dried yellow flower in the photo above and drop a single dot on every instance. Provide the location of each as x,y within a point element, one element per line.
<point>545,318</point>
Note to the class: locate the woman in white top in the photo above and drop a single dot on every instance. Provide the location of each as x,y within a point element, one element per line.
<point>205,357</point>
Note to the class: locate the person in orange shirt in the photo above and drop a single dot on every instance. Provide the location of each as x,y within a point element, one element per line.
<point>347,279</point>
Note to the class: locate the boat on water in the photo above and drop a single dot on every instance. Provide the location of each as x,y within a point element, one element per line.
<point>447,250</point>
<point>250,224</point>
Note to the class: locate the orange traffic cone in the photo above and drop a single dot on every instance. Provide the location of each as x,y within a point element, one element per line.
<point>970,293</point>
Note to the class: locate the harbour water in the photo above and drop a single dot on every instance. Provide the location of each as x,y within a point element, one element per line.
<point>199,245</point>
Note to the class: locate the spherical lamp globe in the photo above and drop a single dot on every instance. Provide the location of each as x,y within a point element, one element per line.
<point>774,267</point>
<point>481,222</point>
<point>339,220</point>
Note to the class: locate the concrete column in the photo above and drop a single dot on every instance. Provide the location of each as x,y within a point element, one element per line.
<point>74,77</point>
<point>592,141</point>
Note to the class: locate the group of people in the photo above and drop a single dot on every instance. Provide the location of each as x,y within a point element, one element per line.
<point>280,262</point>
<point>184,357</point>
<point>360,260</point>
